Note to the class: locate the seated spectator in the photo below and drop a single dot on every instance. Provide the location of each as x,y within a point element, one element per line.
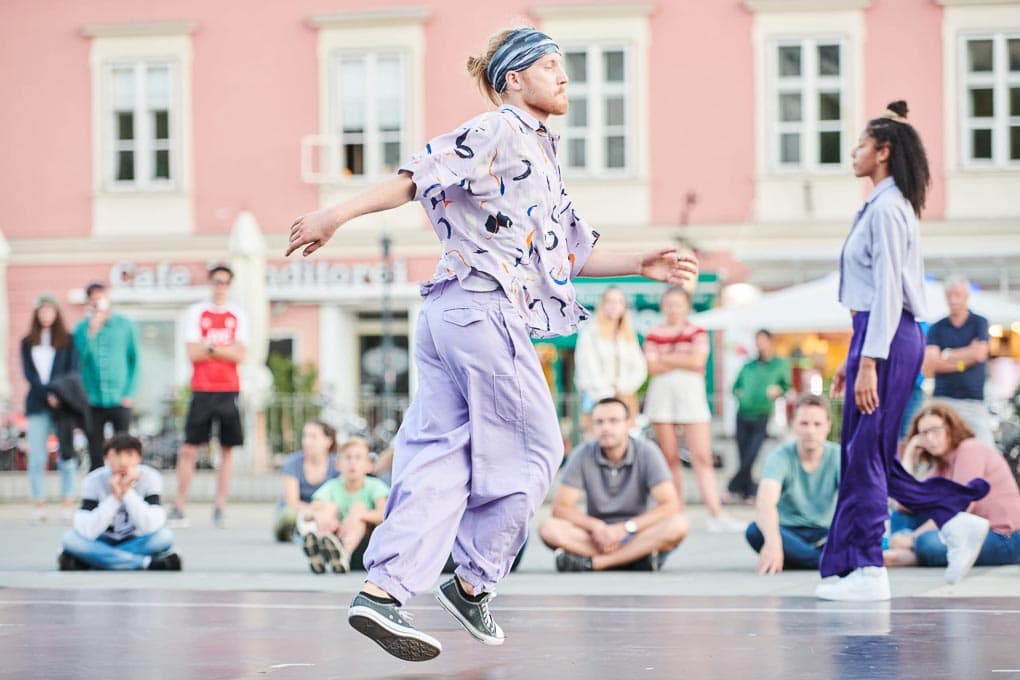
<point>345,510</point>
<point>618,475</point>
<point>797,493</point>
<point>303,473</point>
<point>121,524</point>
<point>941,444</point>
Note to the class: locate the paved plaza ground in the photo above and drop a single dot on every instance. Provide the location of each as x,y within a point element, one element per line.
<point>247,607</point>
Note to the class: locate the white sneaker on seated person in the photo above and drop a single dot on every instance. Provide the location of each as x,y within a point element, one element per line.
<point>964,535</point>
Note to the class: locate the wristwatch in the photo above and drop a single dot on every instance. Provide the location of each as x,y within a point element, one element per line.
<point>630,526</point>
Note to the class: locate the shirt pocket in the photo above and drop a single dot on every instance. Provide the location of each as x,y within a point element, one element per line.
<point>463,316</point>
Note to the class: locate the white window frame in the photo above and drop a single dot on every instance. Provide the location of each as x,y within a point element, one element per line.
<point>372,137</point>
<point>595,90</point>
<point>999,80</point>
<point>164,207</point>
<point>809,84</point>
<point>144,144</point>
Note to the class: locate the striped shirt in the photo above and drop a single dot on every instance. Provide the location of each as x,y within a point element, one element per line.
<point>687,340</point>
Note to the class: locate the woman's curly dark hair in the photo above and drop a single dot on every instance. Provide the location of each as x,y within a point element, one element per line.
<point>908,162</point>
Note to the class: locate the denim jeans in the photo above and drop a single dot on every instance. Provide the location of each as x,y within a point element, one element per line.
<point>130,554</point>
<point>801,548</point>
<point>751,434</point>
<point>931,551</point>
<point>40,425</point>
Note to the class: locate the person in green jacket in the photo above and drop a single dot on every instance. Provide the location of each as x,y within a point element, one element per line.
<point>107,345</point>
<point>760,382</point>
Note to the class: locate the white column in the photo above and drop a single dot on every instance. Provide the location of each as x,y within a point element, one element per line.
<point>338,359</point>
<point>248,260</point>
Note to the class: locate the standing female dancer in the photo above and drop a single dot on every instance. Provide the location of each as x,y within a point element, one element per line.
<point>480,444</point>
<point>882,283</point>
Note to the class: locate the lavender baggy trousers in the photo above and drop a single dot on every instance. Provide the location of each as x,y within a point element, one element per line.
<point>870,470</point>
<point>476,452</point>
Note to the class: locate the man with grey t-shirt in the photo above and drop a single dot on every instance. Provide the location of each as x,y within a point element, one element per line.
<point>620,477</point>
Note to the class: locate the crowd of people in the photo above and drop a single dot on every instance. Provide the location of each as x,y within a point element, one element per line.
<point>334,492</point>
<point>818,505</point>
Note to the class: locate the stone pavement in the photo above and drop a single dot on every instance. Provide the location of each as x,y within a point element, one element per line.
<point>244,557</point>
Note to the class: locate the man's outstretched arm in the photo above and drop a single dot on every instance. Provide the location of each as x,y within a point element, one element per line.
<point>312,230</point>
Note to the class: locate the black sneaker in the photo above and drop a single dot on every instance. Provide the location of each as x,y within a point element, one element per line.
<point>568,561</point>
<point>391,629</point>
<point>333,552</point>
<point>316,560</point>
<point>168,561</point>
<point>68,562</point>
<point>473,615</point>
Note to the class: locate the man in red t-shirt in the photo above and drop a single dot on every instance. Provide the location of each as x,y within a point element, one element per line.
<point>217,337</point>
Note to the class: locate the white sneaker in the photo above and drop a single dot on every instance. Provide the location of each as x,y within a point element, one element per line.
<point>864,584</point>
<point>304,526</point>
<point>963,535</point>
<point>724,524</point>
<point>38,516</point>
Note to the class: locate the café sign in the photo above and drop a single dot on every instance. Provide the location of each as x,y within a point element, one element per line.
<point>291,277</point>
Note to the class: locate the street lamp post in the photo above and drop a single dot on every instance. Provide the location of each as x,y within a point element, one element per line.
<point>389,375</point>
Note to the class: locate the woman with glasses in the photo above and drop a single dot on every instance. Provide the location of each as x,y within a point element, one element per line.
<point>941,444</point>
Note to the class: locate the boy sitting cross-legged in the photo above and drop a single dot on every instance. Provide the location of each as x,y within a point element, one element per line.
<point>345,510</point>
<point>121,524</point>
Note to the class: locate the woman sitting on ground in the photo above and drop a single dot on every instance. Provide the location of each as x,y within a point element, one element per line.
<point>303,473</point>
<point>943,445</point>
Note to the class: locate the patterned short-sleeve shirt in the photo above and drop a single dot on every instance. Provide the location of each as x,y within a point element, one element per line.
<point>494,194</point>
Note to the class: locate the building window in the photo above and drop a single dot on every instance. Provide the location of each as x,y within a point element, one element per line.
<point>595,138</point>
<point>368,112</point>
<point>991,100</point>
<point>808,98</point>
<point>141,125</point>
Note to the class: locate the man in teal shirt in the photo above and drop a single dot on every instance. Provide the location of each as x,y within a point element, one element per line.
<point>797,495</point>
<point>107,346</point>
<point>758,384</point>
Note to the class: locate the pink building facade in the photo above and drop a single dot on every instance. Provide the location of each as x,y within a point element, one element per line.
<point>137,136</point>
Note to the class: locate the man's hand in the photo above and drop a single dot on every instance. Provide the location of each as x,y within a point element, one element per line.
<point>770,559</point>
<point>99,317</point>
<point>119,485</point>
<point>866,386</point>
<point>608,536</point>
<point>666,265</point>
<point>127,402</point>
<point>52,400</point>
<point>773,391</point>
<point>312,230</point>
<point>838,386</point>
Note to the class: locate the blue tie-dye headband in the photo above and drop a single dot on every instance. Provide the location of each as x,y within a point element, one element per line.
<point>521,49</point>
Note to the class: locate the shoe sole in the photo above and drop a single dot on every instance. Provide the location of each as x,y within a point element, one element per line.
<point>475,633</point>
<point>403,644</point>
<point>885,597</point>
<point>313,552</point>
<point>969,564</point>
<point>334,555</point>
<point>178,523</point>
